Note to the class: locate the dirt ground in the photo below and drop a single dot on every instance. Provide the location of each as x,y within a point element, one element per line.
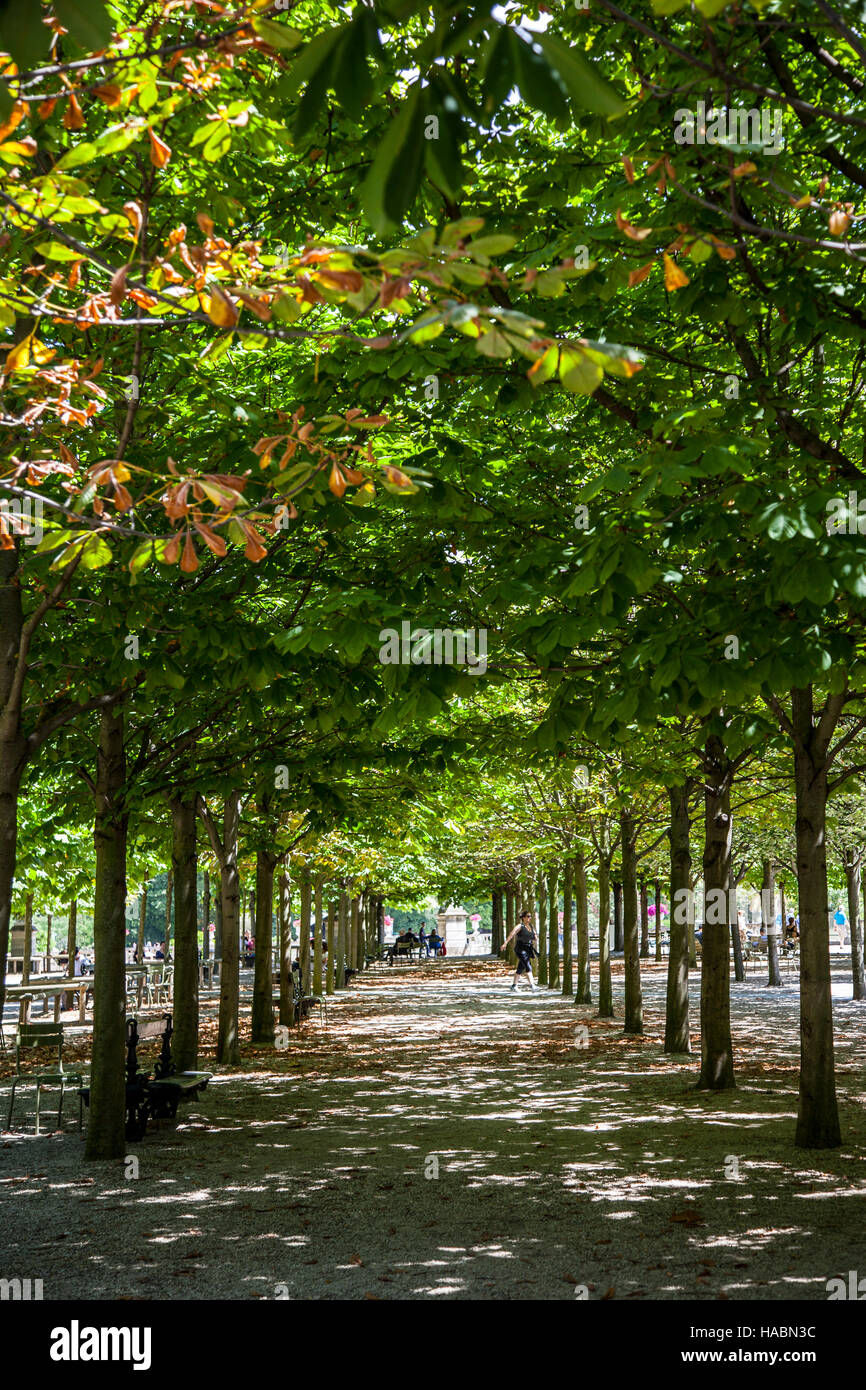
<point>444,1136</point>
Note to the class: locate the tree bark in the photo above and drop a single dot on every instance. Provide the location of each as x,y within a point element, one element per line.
<point>262,1033</point>
<point>357,952</point>
<point>496,922</point>
<point>225,849</point>
<point>644,921</point>
<point>818,1118</point>
<point>304,938</point>
<point>553,980</point>
<point>72,933</point>
<point>658,906</point>
<point>287,994</point>
<point>317,940</point>
<point>631,945</point>
<point>717,1056</point>
<point>330,973</point>
<point>736,943</point>
<point>567,908</point>
<point>853,871</point>
<point>340,963</point>
<point>605,984</point>
<point>106,1126</point>
<point>768,915</point>
<point>28,938</point>
<point>184,866</point>
<point>542,930</point>
<point>169,893</point>
<point>205,912</point>
<point>618,937</point>
<point>13,745</point>
<point>583,994</point>
<point>218,924</point>
<point>677,1004</point>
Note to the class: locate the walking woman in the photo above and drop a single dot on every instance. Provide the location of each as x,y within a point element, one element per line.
<point>524,947</point>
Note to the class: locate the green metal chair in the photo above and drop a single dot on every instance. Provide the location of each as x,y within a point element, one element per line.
<point>32,1035</point>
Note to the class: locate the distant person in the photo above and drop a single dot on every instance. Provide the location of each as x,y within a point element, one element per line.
<point>159,953</point>
<point>423,942</point>
<point>524,939</point>
<point>435,942</point>
<point>78,963</point>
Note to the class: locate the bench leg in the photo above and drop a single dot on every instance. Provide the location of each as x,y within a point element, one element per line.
<point>82,1002</point>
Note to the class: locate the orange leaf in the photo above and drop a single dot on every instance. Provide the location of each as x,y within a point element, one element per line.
<point>254,551</point>
<point>73,118</point>
<point>122,498</point>
<point>189,559</point>
<point>117,292</point>
<point>16,116</point>
<point>747,168</point>
<point>839,222</point>
<point>135,215</point>
<point>628,167</point>
<point>397,477</point>
<point>637,276</point>
<point>46,107</point>
<point>170,553</point>
<point>210,538</point>
<point>722,249</point>
<point>108,93</point>
<point>336,482</point>
<point>675,278</point>
<point>634,233</point>
<point>204,222</point>
<point>160,152</point>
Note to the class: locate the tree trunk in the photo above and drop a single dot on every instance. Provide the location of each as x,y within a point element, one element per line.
<point>184,866</point>
<point>226,850</point>
<point>357,951</point>
<point>510,910</point>
<point>553,980</point>
<point>317,940</point>
<point>717,1056</point>
<point>853,871</point>
<point>205,912</point>
<point>618,937</point>
<point>605,984</point>
<point>380,921</point>
<point>28,939</point>
<point>106,1126</point>
<point>262,1033</point>
<point>583,994</point>
<point>284,910</point>
<point>169,892</point>
<point>631,945</point>
<point>542,930</point>
<point>330,972</point>
<point>304,930</point>
<point>567,908</point>
<point>142,923</point>
<point>496,922</point>
<point>72,932</point>
<point>818,1118</point>
<point>218,924</point>
<point>768,915</point>
<point>342,923</point>
<point>736,943</point>
<point>658,906</point>
<point>677,1003</point>
<point>644,921</point>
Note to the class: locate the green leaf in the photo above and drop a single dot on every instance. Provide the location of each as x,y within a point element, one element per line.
<point>87,21</point>
<point>395,174</point>
<point>585,86</point>
<point>277,35</point>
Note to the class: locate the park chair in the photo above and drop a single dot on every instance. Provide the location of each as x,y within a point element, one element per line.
<point>33,1035</point>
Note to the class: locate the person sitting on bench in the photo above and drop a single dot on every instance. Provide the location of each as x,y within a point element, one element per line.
<point>436,943</point>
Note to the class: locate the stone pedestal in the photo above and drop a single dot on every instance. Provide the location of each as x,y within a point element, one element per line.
<point>451,924</point>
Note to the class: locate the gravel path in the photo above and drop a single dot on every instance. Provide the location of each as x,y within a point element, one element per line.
<point>444,1136</point>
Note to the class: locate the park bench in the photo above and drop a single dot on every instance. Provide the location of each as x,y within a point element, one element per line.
<point>302,1004</point>
<point>153,1097</point>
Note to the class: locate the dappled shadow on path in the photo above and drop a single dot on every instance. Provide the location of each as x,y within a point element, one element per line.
<point>445,1136</point>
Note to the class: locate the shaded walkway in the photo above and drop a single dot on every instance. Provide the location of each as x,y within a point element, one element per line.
<point>563,1160</point>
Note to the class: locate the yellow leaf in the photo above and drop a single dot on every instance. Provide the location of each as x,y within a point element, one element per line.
<point>221,309</point>
<point>675,278</point>
<point>19,356</point>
